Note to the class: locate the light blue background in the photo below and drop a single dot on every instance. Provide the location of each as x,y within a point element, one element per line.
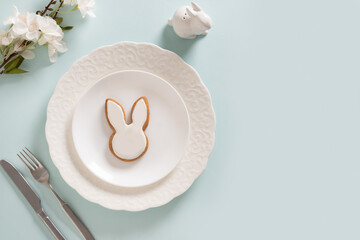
<point>284,78</point>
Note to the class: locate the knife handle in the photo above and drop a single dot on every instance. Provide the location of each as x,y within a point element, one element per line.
<point>50,225</point>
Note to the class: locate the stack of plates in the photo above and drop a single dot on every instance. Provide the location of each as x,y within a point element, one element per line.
<point>180,131</point>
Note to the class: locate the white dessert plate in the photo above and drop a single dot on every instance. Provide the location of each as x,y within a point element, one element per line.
<point>82,76</point>
<point>167,131</point>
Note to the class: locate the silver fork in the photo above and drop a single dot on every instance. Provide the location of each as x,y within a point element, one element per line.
<point>40,173</point>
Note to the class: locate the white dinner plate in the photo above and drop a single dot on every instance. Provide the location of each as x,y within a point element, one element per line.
<point>86,72</point>
<point>167,131</point>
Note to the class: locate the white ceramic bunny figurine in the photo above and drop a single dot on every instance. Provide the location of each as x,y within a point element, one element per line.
<point>128,142</point>
<point>189,22</point>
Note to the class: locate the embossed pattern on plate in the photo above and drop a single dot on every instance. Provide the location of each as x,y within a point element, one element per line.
<point>130,56</point>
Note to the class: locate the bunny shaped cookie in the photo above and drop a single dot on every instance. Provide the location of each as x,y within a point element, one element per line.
<point>128,142</point>
<point>188,22</point>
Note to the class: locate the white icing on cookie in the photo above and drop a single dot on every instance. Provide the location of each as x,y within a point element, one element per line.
<point>139,113</point>
<point>129,140</point>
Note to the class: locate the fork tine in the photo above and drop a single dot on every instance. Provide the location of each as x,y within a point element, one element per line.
<point>29,161</point>
<point>34,158</point>
<point>27,166</point>
<point>37,161</point>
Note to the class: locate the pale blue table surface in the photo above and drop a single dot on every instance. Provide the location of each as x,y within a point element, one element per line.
<point>285,82</point>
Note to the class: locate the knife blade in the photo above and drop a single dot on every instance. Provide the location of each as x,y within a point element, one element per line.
<point>30,196</point>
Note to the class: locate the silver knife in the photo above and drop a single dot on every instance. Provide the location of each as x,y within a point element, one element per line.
<point>31,197</point>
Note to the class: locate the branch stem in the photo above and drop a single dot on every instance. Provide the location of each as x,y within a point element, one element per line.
<point>57,10</point>
<point>47,8</point>
<point>6,60</point>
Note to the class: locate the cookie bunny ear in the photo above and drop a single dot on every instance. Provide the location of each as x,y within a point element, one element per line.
<point>115,114</point>
<point>140,113</point>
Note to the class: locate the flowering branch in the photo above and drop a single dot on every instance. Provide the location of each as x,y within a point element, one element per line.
<point>57,11</point>
<point>43,28</point>
<point>47,7</point>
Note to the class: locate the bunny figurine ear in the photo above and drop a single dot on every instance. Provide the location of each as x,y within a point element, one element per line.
<point>115,114</point>
<point>196,7</point>
<point>190,12</point>
<point>140,113</point>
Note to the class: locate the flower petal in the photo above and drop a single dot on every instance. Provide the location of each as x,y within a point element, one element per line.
<point>52,53</point>
<point>6,41</point>
<point>19,28</point>
<point>91,13</point>
<point>27,54</point>
<point>34,35</point>
<point>42,40</point>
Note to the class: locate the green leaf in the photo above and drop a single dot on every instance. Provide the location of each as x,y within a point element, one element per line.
<point>15,70</point>
<point>59,20</point>
<point>67,28</point>
<point>52,14</point>
<point>75,8</point>
<point>15,63</point>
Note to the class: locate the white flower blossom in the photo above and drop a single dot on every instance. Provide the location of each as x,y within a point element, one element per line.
<point>32,25</point>
<point>18,24</point>
<point>52,35</point>
<point>49,28</point>
<point>86,7</point>
<point>54,47</point>
<point>11,19</point>
<point>24,26</point>
<point>5,39</point>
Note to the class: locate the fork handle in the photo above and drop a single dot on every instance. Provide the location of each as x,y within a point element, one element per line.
<point>77,222</point>
<point>74,219</point>
<point>50,225</point>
